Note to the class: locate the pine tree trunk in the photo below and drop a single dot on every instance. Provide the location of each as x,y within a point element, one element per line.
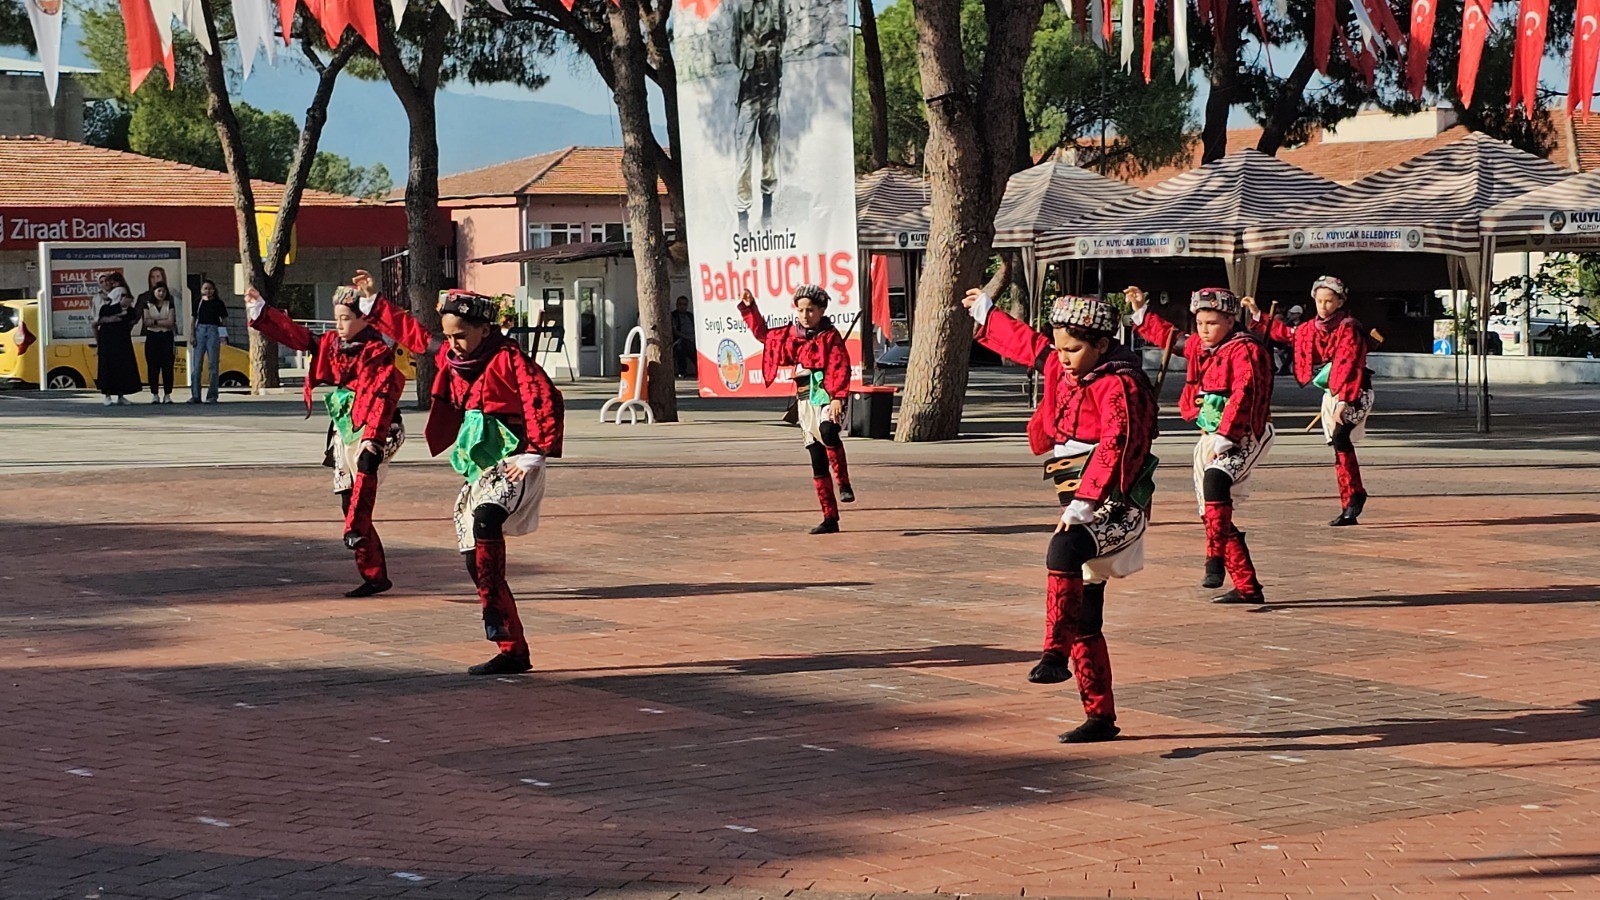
<point>877,94</point>
<point>644,206</point>
<point>1224,91</point>
<point>967,168</point>
<point>418,96</point>
<point>1290,106</point>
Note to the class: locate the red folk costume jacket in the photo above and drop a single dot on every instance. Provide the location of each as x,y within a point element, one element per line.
<point>1338,339</point>
<point>1113,407</point>
<point>501,381</point>
<point>366,367</point>
<point>1239,368</point>
<point>820,350</point>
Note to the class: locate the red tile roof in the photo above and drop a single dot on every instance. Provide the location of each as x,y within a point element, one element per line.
<point>1337,161</point>
<point>39,171</point>
<point>575,171</point>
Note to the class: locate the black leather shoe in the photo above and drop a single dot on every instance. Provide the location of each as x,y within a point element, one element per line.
<point>353,539</point>
<point>369,588</point>
<point>846,495</point>
<point>1051,669</point>
<point>502,664</point>
<point>828,526</point>
<point>1214,573</point>
<point>1343,519</point>
<point>1234,596</point>
<point>1093,729</point>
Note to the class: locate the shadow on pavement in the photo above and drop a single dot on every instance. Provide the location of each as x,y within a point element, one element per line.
<point>1580,723</point>
<point>1556,593</point>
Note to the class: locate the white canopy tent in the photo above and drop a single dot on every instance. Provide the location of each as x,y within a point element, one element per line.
<point>1431,203</point>
<point>1200,213</point>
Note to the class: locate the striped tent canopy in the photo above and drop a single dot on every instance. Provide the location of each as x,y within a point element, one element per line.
<point>1560,216</point>
<point>1429,204</point>
<point>1202,212</point>
<point>1045,196</point>
<point>892,209</point>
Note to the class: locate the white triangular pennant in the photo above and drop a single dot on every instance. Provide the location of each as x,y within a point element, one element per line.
<point>1127,32</point>
<point>500,5</point>
<point>45,16</point>
<point>456,8</point>
<point>398,7</point>
<point>194,19</point>
<point>1369,31</point>
<point>1180,40</point>
<point>252,20</point>
<point>165,11</point>
<point>1097,23</point>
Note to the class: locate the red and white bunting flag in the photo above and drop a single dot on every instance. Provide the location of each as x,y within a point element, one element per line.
<point>1361,60</point>
<point>1528,53</point>
<point>1149,35</point>
<point>1180,40</point>
<point>144,44</point>
<point>1384,18</point>
<point>252,22</point>
<point>1080,16</point>
<point>1322,32</point>
<point>1266,38</point>
<point>1107,28</point>
<point>1474,30</point>
<point>45,17</point>
<point>363,17</point>
<point>1417,47</point>
<point>1585,55</point>
<point>286,10</point>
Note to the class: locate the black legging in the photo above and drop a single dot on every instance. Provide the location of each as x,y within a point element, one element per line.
<point>819,449</point>
<point>158,360</point>
<point>1341,438</point>
<point>488,521</point>
<point>1069,550</point>
<point>1217,486</point>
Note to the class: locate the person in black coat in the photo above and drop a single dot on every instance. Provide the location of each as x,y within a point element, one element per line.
<point>119,370</point>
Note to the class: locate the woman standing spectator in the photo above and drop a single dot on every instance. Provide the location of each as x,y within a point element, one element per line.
<point>119,371</point>
<point>210,315</point>
<point>160,321</point>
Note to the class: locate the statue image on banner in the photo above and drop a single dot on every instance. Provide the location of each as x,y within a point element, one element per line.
<point>758,34</point>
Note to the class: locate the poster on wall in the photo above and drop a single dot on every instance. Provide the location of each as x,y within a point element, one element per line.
<point>764,95</point>
<point>69,283</point>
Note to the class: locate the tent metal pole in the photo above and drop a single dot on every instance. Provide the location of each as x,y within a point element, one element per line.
<point>1483,336</point>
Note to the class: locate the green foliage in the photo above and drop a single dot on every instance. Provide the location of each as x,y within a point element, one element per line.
<point>1070,88</point>
<point>334,173</point>
<point>15,31</point>
<point>1565,286</point>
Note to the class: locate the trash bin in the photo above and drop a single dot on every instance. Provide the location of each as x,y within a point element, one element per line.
<point>871,408</point>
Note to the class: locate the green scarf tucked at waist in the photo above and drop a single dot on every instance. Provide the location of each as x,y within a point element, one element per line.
<point>481,444</point>
<point>808,387</point>
<point>1324,375</point>
<point>341,402</point>
<point>1211,407</point>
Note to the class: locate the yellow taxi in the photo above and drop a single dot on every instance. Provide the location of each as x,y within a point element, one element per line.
<point>74,366</point>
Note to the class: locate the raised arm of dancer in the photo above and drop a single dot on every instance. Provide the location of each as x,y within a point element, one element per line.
<point>1004,335</point>
<point>390,318</point>
<point>275,324</point>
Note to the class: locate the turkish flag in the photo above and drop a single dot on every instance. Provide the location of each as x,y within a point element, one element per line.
<point>1528,53</point>
<point>881,315</point>
<point>1585,54</point>
<point>144,43</point>
<point>1322,33</point>
<point>1474,29</point>
<point>1421,41</point>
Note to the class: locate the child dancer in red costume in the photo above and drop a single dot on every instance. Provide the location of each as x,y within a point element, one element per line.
<point>821,377</point>
<point>1330,352</point>
<point>500,416</point>
<point>365,431</point>
<point>1227,392</point>
<point>1096,422</point>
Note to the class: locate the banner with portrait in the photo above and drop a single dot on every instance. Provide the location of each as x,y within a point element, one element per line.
<point>764,98</point>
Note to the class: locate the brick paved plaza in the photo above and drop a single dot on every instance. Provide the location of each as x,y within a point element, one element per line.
<point>724,706</point>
